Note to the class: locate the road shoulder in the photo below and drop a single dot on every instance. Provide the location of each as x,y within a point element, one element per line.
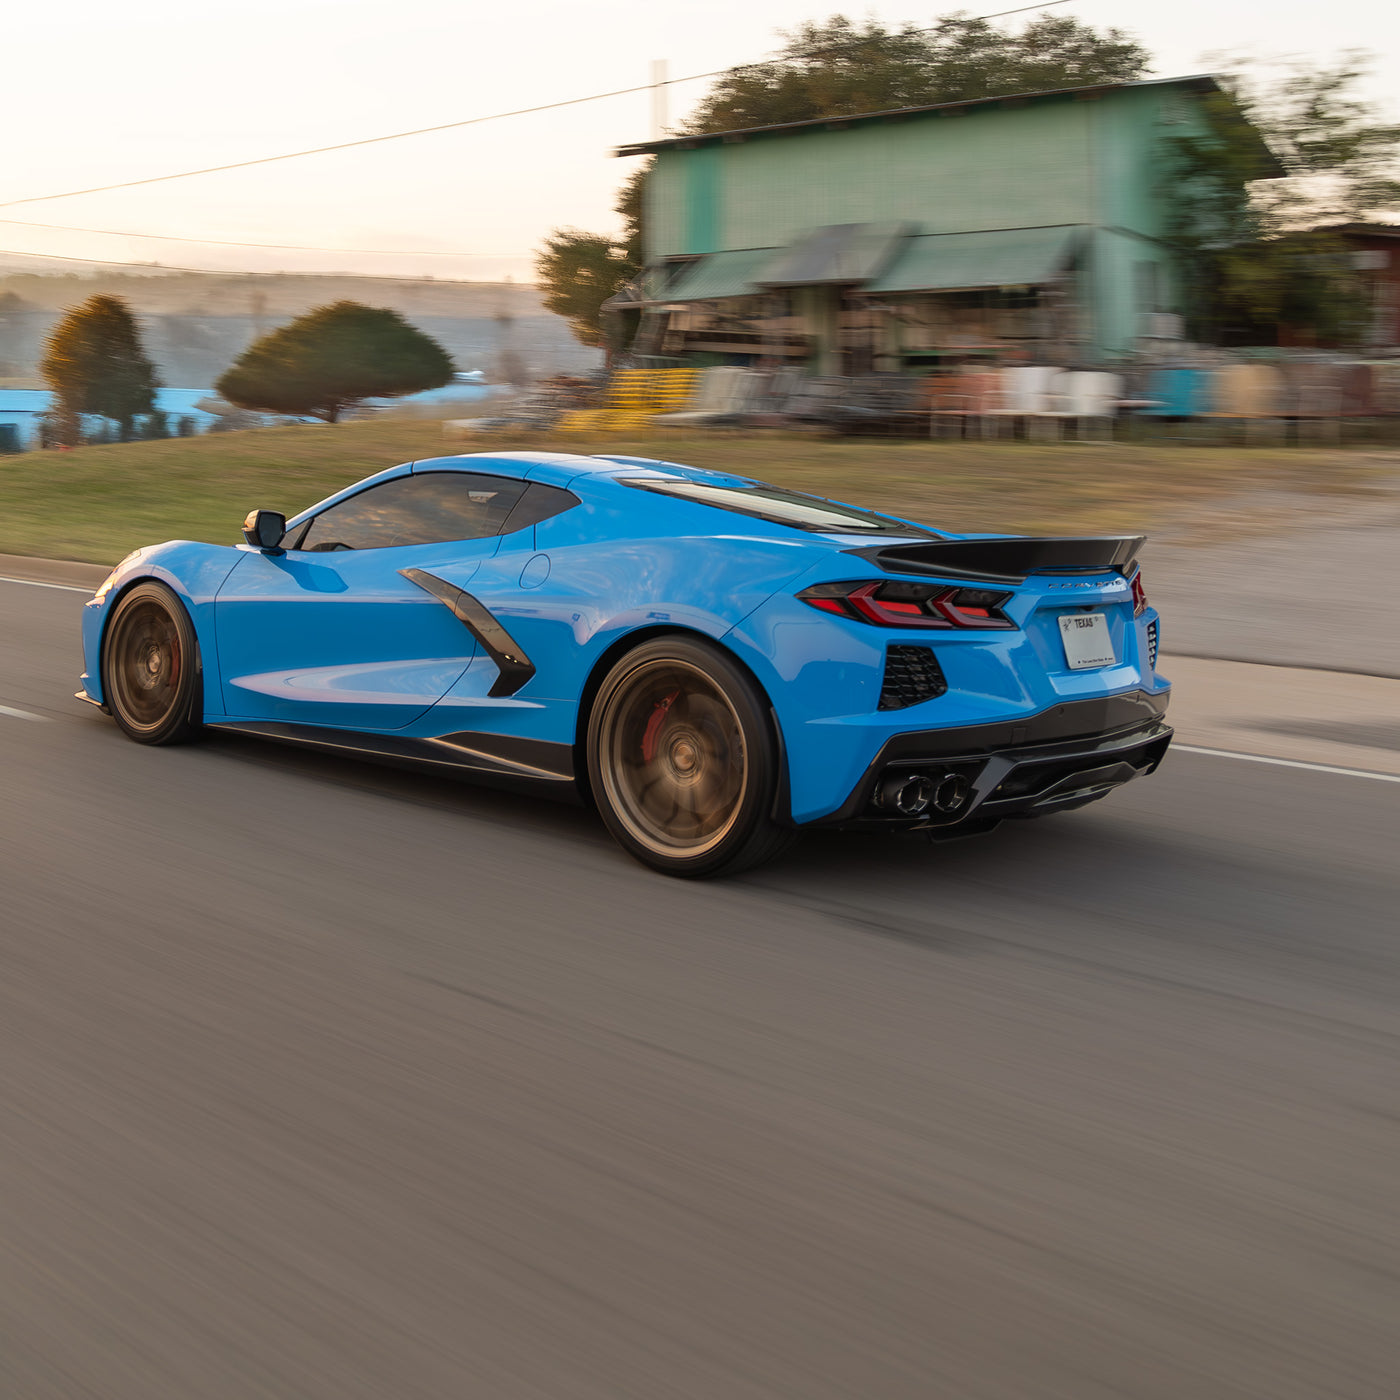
<point>1329,717</point>
<point>63,572</point>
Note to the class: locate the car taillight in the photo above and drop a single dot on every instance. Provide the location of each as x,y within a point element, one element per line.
<point>894,603</point>
<point>1139,595</point>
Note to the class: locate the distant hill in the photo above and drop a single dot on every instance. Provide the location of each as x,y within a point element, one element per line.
<point>196,324</point>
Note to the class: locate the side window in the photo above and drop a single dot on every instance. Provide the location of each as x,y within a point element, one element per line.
<point>539,502</point>
<point>428,509</point>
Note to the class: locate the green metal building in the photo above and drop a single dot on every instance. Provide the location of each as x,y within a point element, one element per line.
<point>1026,227</point>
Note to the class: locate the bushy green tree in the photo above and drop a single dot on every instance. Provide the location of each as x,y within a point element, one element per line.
<point>95,364</point>
<point>838,68</point>
<point>578,272</point>
<point>333,358</point>
<point>631,209</point>
<point>1257,196</point>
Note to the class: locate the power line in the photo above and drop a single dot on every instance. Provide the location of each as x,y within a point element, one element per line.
<point>230,243</point>
<point>339,146</point>
<point>492,117</point>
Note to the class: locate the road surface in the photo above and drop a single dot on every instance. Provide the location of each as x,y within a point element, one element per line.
<point>324,1080</point>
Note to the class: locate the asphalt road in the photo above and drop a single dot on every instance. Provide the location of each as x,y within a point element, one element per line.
<point>323,1080</point>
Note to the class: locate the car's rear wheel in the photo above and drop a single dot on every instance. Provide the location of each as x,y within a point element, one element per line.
<point>151,677</point>
<point>683,760</point>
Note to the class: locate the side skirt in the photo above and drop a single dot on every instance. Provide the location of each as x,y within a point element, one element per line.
<point>534,764</point>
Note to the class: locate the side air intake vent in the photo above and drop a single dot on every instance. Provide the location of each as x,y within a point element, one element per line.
<point>1152,645</point>
<point>912,675</point>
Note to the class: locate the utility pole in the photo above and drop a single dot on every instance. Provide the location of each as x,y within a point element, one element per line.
<point>658,98</point>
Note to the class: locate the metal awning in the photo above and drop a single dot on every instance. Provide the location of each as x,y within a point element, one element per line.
<point>715,275</point>
<point>1006,257</point>
<point>835,254</point>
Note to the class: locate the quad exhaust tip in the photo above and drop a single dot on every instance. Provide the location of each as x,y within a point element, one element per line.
<point>913,794</point>
<point>951,793</point>
<point>909,794</point>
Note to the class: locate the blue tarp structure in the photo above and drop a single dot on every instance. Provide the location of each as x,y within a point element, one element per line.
<point>23,408</point>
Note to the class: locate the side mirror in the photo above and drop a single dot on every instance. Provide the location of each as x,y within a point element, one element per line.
<point>263,529</point>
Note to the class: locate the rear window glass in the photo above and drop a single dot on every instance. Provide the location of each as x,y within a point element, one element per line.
<point>795,508</point>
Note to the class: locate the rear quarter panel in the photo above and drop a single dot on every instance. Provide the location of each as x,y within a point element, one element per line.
<point>615,568</point>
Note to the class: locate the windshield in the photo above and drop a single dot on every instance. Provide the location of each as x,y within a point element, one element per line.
<point>795,508</point>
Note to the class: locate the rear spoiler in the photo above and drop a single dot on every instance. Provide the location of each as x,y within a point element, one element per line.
<point>1008,559</point>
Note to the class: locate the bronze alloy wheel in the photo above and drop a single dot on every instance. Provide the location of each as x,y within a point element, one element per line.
<point>682,760</point>
<point>676,767</point>
<point>150,666</point>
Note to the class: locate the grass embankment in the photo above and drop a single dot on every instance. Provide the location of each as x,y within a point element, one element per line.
<point>97,503</point>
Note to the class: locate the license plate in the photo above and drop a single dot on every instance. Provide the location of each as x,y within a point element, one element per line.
<point>1087,642</point>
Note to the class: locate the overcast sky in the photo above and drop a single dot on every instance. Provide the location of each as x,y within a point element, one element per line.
<point>95,93</point>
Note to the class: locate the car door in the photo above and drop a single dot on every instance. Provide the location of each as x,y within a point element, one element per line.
<point>330,631</point>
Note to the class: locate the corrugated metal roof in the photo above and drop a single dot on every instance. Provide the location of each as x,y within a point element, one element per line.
<point>720,275</point>
<point>835,253</point>
<point>1005,257</point>
<point>1203,82</point>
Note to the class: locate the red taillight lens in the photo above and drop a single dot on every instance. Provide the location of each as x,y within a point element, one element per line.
<point>1139,595</point>
<point>895,603</point>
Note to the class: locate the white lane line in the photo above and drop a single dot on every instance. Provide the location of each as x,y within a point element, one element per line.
<point>22,714</point>
<point>1289,763</point>
<point>34,583</point>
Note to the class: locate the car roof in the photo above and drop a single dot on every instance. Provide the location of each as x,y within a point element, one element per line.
<point>561,468</point>
<point>564,469</point>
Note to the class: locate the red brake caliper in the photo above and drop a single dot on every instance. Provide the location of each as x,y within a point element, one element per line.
<point>653,729</point>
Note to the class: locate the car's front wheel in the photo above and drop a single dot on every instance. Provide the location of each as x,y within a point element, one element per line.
<point>683,760</point>
<point>151,676</point>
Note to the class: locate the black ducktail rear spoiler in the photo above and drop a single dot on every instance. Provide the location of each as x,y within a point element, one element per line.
<point>1008,559</point>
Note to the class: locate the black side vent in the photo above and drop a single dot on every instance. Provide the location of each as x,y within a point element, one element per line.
<point>912,675</point>
<point>1152,645</point>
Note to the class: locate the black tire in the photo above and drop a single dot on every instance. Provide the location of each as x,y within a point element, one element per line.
<point>683,761</point>
<point>152,679</point>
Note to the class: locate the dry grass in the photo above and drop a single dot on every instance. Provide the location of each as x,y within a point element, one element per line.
<point>96,503</point>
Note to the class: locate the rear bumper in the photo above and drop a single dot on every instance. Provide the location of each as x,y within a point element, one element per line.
<point>1060,759</point>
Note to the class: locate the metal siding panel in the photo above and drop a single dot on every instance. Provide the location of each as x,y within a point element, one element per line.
<point>703,199</point>
<point>1114,264</point>
<point>665,206</point>
<point>997,168</point>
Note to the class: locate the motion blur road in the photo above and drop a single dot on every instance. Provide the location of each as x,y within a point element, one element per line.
<point>324,1080</point>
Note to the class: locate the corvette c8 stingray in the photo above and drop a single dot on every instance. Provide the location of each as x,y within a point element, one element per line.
<point>712,662</point>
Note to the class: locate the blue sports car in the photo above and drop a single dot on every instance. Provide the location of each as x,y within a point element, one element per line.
<point>712,662</point>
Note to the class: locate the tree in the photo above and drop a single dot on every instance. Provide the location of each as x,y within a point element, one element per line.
<point>837,69</point>
<point>1339,160</point>
<point>578,272</point>
<point>630,207</point>
<point>840,69</point>
<point>94,363</point>
<point>332,359</point>
<point>1258,193</point>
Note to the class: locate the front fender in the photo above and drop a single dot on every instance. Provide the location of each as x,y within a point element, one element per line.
<point>194,573</point>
